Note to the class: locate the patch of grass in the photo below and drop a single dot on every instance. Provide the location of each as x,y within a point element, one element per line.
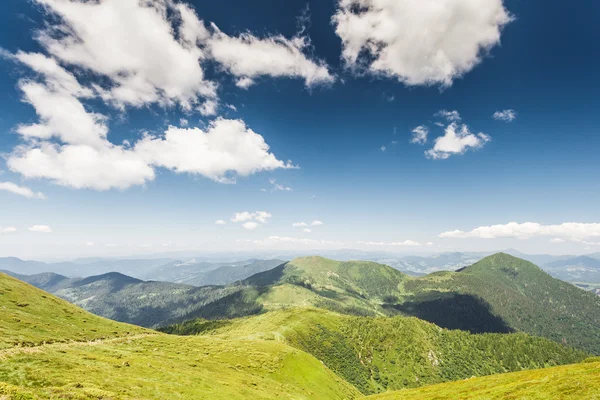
<point>379,354</point>
<point>29,317</point>
<point>578,381</point>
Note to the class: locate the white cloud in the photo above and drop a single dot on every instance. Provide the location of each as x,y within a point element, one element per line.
<point>277,187</point>
<point>506,115</point>
<point>81,166</point>
<point>420,134</point>
<point>251,220</point>
<point>40,229</point>
<point>557,240</point>
<point>8,229</point>
<point>183,122</point>
<point>383,148</point>
<point>220,222</point>
<point>317,223</point>
<point>209,108</point>
<point>456,140</point>
<point>134,45</point>
<point>249,57</point>
<point>569,230</point>
<point>244,83</point>
<point>419,42</point>
<point>90,244</point>
<point>450,116</point>
<point>231,107</point>
<point>406,243</point>
<point>306,230</point>
<point>21,191</point>
<point>250,225</point>
<point>299,224</point>
<point>226,147</point>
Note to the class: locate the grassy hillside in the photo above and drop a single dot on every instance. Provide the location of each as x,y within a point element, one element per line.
<point>518,295</point>
<point>378,354</point>
<point>29,316</point>
<point>571,382</point>
<point>131,362</point>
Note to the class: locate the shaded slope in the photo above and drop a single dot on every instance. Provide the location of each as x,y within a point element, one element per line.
<point>523,296</point>
<point>571,382</point>
<point>378,354</point>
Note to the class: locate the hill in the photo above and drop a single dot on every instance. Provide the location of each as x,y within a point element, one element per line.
<point>515,294</point>
<point>571,382</point>
<point>29,316</point>
<point>46,353</point>
<point>126,299</point>
<point>577,269</point>
<point>206,274</point>
<point>379,354</point>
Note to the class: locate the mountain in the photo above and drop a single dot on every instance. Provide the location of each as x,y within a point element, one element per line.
<point>422,265</point>
<point>205,273</point>
<point>571,382</point>
<point>126,299</point>
<point>577,269</point>
<point>516,294</point>
<point>379,354</point>
<point>82,268</point>
<point>47,353</point>
<point>499,294</point>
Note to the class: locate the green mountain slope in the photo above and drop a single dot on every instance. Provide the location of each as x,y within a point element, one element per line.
<point>378,354</point>
<point>29,316</point>
<point>519,295</point>
<point>126,362</point>
<point>571,382</point>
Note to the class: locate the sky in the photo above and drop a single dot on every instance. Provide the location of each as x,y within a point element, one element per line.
<point>413,126</point>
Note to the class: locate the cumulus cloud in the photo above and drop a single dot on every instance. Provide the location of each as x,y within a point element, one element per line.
<point>82,166</point>
<point>136,53</point>
<point>506,115</point>
<point>8,229</point>
<point>306,230</point>
<point>317,223</point>
<point>450,116</point>
<point>251,221</point>
<point>419,42</point>
<point>250,225</point>
<point>456,140</point>
<point>40,229</point>
<point>227,146</point>
<point>570,230</point>
<point>21,190</point>
<point>220,222</point>
<point>299,224</point>
<point>249,57</point>
<point>557,240</point>
<point>420,134</point>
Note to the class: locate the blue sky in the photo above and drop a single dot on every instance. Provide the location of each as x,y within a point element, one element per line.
<point>345,123</point>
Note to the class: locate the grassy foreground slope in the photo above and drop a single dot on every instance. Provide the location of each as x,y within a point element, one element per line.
<point>125,362</point>
<point>379,354</point>
<point>571,382</point>
<point>29,316</point>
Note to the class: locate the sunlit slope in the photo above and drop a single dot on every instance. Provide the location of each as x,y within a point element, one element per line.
<point>125,362</point>
<point>378,354</point>
<point>30,316</point>
<point>519,295</point>
<point>170,367</point>
<point>571,382</point>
